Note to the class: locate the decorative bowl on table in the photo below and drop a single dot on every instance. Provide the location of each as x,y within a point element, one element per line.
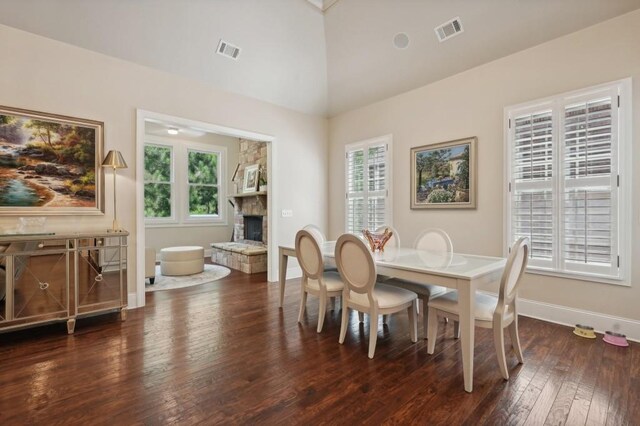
<point>377,240</point>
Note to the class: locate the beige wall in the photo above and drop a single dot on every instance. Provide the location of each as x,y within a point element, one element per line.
<point>471,104</point>
<point>185,235</point>
<point>45,75</point>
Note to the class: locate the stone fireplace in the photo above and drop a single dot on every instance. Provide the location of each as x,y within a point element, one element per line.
<point>253,228</point>
<point>248,251</point>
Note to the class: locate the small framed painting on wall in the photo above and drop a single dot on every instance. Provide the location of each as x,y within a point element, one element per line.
<point>443,175</point>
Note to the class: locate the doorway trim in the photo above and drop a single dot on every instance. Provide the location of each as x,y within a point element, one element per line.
<point>141,116</point>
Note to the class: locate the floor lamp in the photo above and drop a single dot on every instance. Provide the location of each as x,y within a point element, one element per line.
<point>114,161</point>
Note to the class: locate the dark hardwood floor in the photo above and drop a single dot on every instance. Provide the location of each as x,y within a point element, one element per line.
<point>224,352</point>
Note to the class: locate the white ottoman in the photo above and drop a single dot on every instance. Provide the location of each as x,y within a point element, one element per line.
<point>181,260</point>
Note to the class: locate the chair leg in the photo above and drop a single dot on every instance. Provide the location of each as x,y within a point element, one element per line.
<point>413,323</point>
<point>303,304</point>
<point>425,318</point>
<point>373,333</point>
<point>333,303</point>
<point>385,318</point>
<point>515,339</point>
<point>343,324</point>
<point>432,332</point>
<point>360,316</point>
<point>322,310</point>
<point>456,329</point>
<point>418,309</point>
<point>498,340</point>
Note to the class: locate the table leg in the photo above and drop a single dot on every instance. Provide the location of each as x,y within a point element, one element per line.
<point>466,299</point>
<point>284,259</point>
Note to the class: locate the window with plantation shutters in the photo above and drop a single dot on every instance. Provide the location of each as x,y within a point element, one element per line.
<point>367,178</point>
<point>566,174</point>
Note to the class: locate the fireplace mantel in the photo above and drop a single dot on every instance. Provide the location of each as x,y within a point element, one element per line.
<point>249,194</point>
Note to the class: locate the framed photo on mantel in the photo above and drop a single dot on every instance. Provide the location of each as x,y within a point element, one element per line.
<point>443,175</point>
<point>50,164</point>
<point>250,182</point>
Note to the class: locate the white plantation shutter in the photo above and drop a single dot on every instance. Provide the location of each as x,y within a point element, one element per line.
<point>563,172</point>
<point>367,185</point>
<point>532,184</point>
<point>589,187</point>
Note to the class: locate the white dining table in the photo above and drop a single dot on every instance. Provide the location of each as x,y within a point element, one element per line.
<point>462,272</point>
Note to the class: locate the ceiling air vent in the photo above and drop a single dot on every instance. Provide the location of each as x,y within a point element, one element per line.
<point>449,29</point>
<point>228,50</point>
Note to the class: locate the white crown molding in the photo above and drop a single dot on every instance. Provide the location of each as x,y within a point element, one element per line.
<point>323,5</point>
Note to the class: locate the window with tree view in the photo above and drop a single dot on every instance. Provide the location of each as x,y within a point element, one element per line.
<point>202,170</point>
<point>158,181</point>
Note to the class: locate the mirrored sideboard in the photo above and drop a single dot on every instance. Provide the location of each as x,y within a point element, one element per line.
<point>61,277</point>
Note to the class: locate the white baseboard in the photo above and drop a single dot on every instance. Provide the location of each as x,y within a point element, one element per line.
<point>132,302</point>
<point>571,316</point>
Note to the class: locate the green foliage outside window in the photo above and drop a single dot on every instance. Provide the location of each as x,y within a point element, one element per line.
<point>203,183</point>
<point>157,177</point>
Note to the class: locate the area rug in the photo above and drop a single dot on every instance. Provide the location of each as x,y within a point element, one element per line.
<point>210,273</point>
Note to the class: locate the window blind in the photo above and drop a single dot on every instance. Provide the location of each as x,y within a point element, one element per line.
<point>532,192</point>
<point>563,181</point>
<point>367,201</point>
<point>589,219</point>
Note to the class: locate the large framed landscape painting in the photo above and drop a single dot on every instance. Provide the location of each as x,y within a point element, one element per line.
<point>443,175</point>
<point>49,164</point>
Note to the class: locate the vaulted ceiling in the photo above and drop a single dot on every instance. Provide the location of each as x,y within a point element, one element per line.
<point>314,56</point>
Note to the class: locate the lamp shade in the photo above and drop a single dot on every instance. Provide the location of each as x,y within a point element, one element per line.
<point>114,160</point>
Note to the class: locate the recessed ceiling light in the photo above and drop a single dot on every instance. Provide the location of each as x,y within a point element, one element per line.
<point>401,41</point>
<point>172,131</point>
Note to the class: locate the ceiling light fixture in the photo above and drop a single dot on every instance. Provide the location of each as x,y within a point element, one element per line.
<point>173,131</point>
<point>401,41</point>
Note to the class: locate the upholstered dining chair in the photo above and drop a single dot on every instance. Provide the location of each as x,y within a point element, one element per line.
<point>394,241</point>
<point>316,233</point>
<point>315,280</point>
<point>363,294</point>
<point>329,264</point>
<point>493,312</point>
<point>433,240</point>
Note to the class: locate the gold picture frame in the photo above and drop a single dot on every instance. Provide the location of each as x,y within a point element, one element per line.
<point>50,164</point>
<point>443,175</point>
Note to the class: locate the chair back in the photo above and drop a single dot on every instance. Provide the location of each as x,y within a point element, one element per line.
<point>515,267</point>
<point>316,232</point>
<point>309,255</point>
<point>394,241</point>
<point>355,265</point>
<point>434,239</point>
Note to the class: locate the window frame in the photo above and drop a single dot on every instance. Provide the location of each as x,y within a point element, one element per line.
<point>620,163</point>
<point>387,140</point>
<point>180,185</point>
<point>173,219</point>
<point>221,152</point>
